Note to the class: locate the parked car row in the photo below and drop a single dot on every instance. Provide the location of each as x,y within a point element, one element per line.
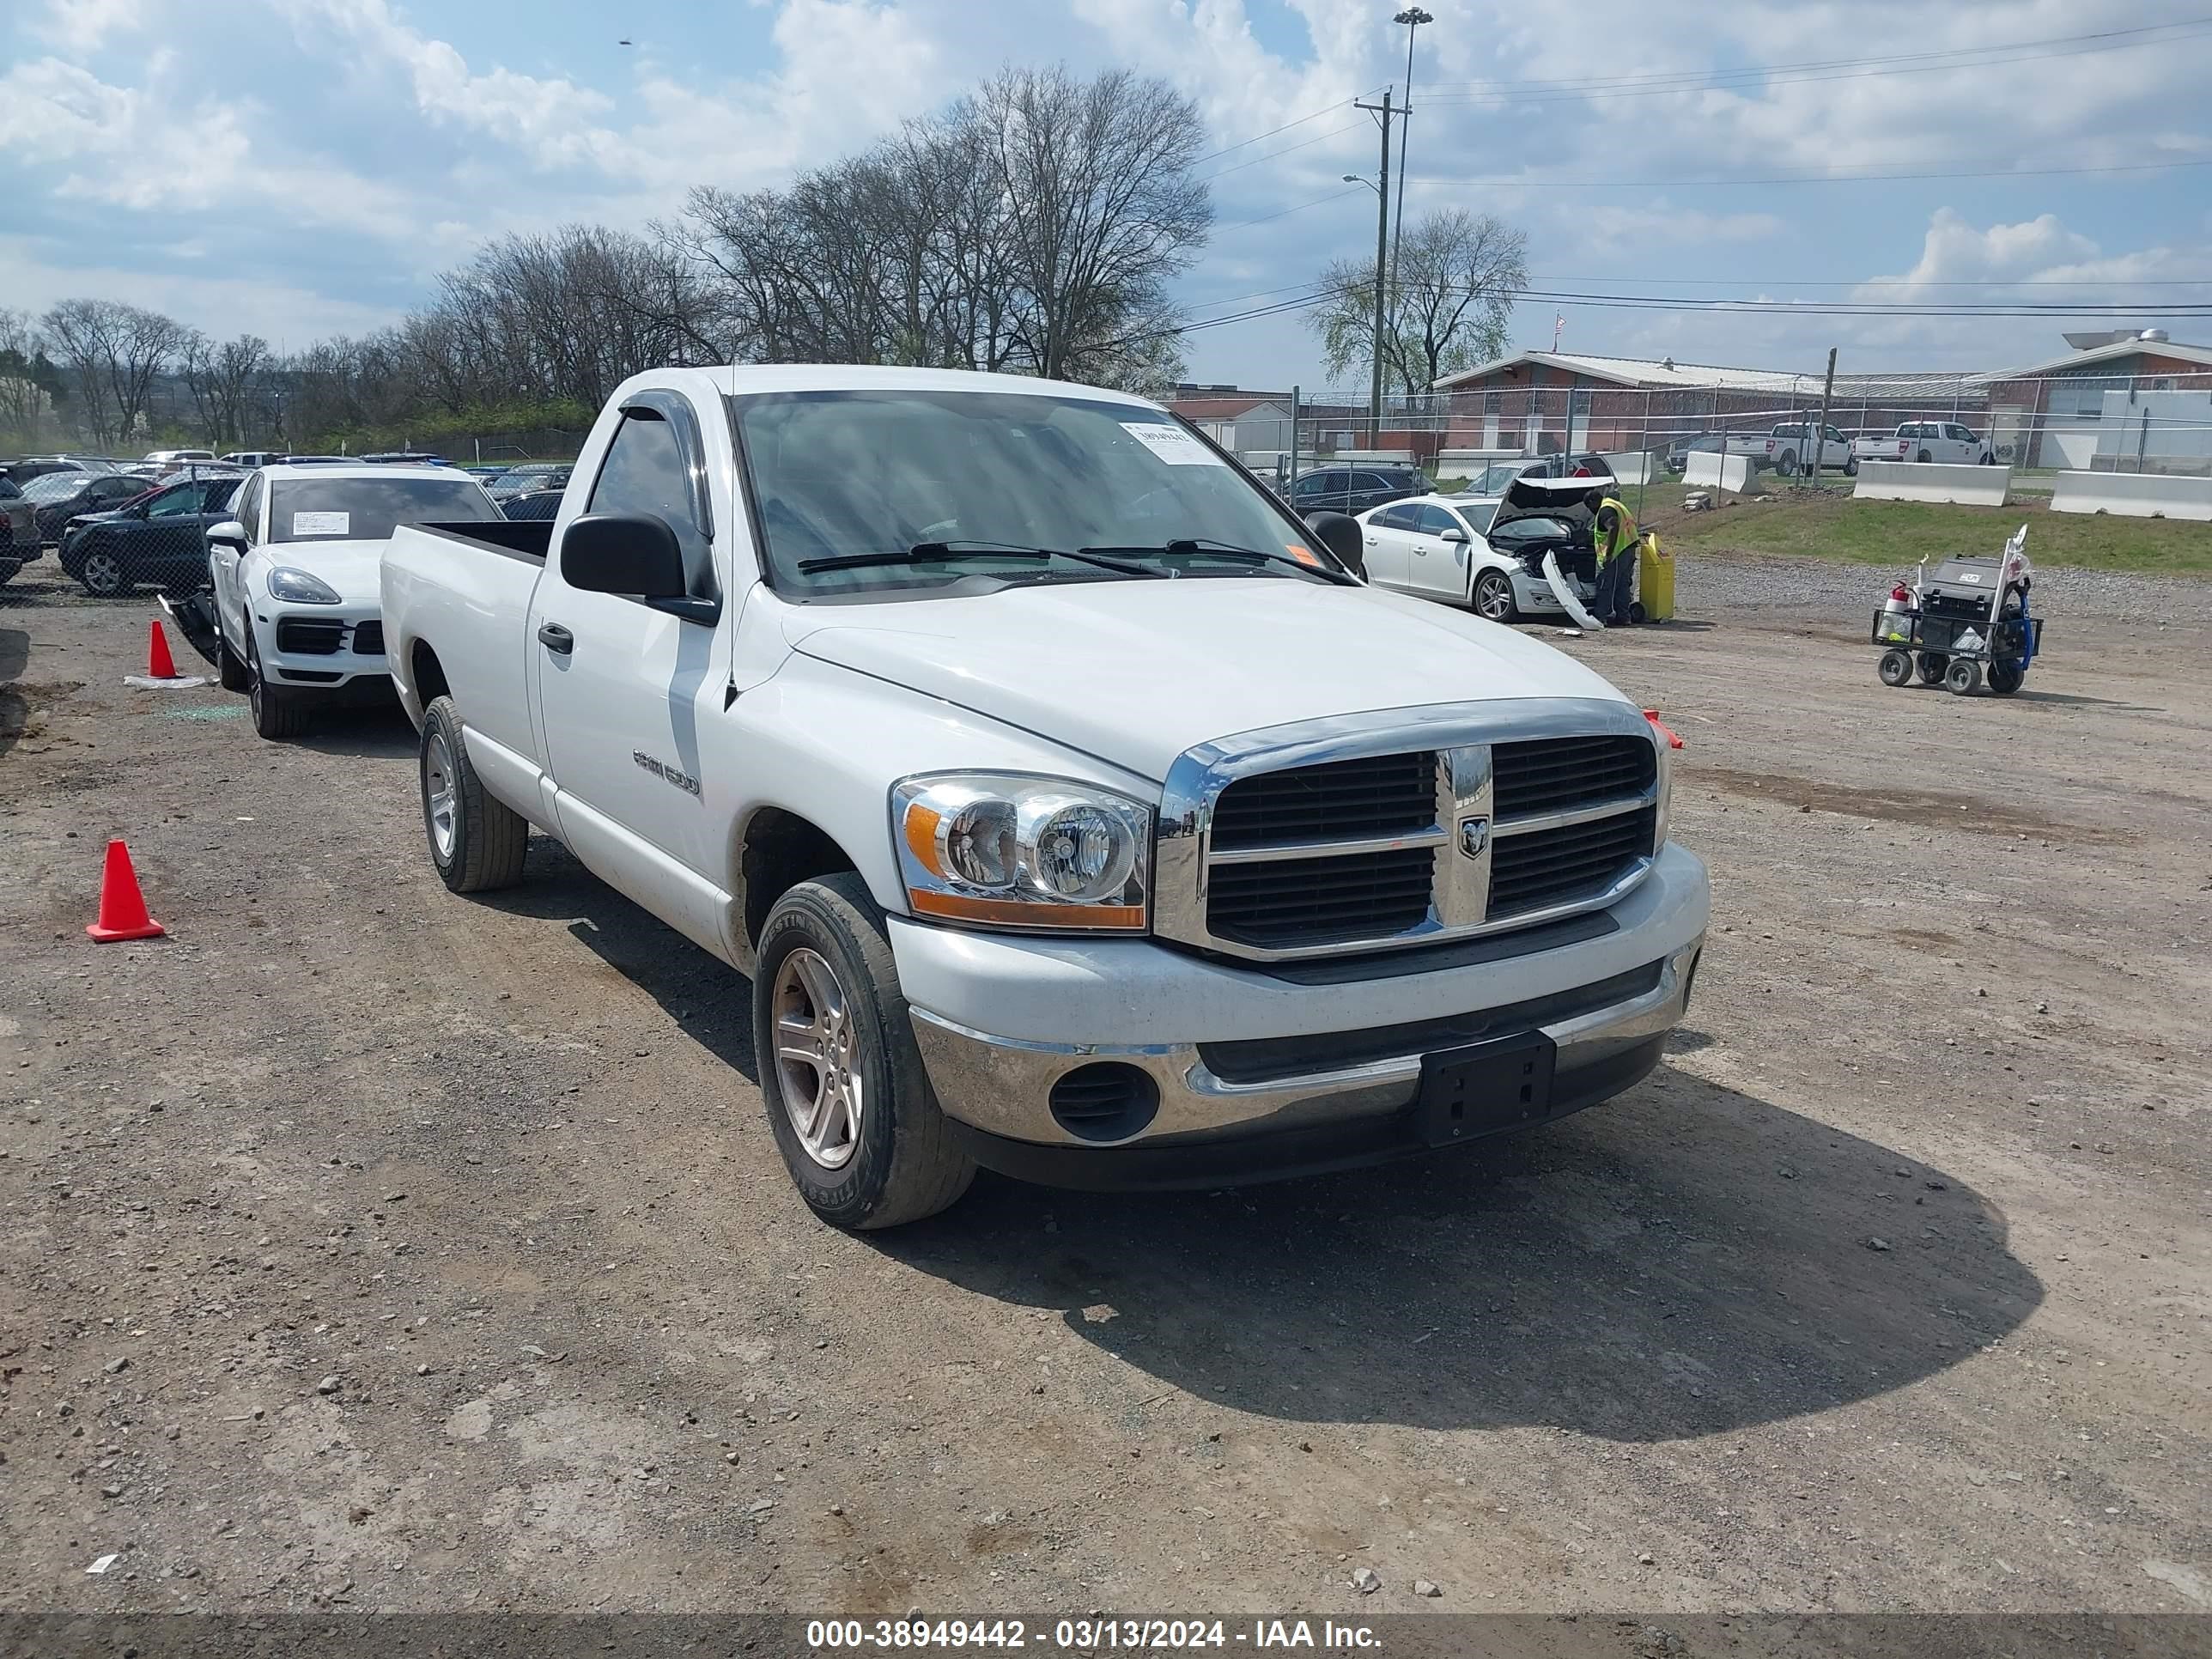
<point>832,670</point>
<point>1789,447</point>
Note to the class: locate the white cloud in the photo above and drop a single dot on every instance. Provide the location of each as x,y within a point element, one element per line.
<point>78,27</point>
<point>291,314</point>
<point>1612,229</point>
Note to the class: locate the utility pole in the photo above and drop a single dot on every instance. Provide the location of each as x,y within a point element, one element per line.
<point>1381,254</point>
<point>1819,436</point>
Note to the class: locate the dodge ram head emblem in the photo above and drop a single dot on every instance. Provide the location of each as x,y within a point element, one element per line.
<point>1474,836</point>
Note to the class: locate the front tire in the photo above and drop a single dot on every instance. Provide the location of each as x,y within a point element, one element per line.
<point>1932,665</point>
<point>847,1099</point>
<point>1895,667</point>
<point>1851,467</point>
<point>1492,598</point>
<point>277,714</point>
<point>477,841</point>
<point>1965,677</point>
<point>103,573</point>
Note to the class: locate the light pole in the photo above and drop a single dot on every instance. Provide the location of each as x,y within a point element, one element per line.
<point>1381,225</point>
<point>1413,17</point>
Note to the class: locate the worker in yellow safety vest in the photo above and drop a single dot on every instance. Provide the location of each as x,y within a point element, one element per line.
<point>1613,528</point>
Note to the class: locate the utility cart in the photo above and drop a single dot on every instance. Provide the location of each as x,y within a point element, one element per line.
<point>1963,625</point>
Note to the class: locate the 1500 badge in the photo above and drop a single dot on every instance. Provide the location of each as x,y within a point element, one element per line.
<point>683,781</point>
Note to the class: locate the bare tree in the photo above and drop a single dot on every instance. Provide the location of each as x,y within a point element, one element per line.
<point>1102,211</point>
<point>1456,278</point>
<point>111,353</point>
<point>223,380</point>
<point>1035,226</point>
<point>27,381</point>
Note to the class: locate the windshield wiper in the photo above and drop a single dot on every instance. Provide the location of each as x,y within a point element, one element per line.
<point>944,552</point>
<point>1206,547</point>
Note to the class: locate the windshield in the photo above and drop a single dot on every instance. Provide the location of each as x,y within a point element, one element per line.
<point>1493,478</point>
<point>880,473</point>
<point>1478,514</point>
<point>368,509</point>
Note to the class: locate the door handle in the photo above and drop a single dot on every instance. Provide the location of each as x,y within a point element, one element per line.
<point>556,638</point>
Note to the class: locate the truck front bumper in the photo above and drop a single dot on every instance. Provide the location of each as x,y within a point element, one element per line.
<point>1226,1073</point>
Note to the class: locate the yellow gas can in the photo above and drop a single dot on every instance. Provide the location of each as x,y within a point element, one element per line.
<point>1655,579</point>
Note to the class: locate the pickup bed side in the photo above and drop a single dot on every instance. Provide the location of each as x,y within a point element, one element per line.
<point>462,589</point>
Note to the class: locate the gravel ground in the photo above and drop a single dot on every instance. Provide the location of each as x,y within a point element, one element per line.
<point>1811,587</point>
<point>372,1248</point>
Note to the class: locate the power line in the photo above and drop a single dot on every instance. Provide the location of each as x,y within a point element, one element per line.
<point>1343,103</point>
<point>1533,92</point>
<point>1810,178</point>
<point>1264,218</point>
<point>1240,166</point>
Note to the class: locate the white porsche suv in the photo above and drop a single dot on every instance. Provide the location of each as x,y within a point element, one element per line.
<point>299,616</point>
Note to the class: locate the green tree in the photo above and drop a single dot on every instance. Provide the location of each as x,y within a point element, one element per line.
<point>1451,299</point>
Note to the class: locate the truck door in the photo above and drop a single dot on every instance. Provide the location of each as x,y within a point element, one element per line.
<point>624,690</point>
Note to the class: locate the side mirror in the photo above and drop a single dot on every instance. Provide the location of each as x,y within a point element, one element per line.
<point>1341,535</point>
<point>634,556</point>
<point>229,533</point>
<point>1455,535</point>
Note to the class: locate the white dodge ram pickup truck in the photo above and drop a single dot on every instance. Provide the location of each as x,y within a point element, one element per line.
<point>1076,809</point>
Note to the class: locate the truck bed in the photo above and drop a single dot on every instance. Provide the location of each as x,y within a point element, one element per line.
<point>461,593</point>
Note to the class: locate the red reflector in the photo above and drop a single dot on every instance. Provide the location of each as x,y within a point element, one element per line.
<point>1664,730</point>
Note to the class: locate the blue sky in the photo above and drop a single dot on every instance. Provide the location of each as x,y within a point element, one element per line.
<point>297,167</point>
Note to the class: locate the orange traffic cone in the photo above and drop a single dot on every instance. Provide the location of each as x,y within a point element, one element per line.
<point>122,906</point>
<point>160,665</point>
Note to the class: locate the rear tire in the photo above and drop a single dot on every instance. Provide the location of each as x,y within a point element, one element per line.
<point>230,673</point>
<point>1965,677</point>
<point>1925,456</point>
<point>1933,665</point>
<point>477,841</point>
<point>894,1159</point>
<point>2005,677</point>
<point>1787,467</point>
<point>1896,667</point>
<point>1493,596</point>
<point>278,715</point>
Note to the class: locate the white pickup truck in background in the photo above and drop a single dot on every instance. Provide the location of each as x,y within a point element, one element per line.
<point>1926,441</point>
<point>1075,808</point>
<point>1787,449</point>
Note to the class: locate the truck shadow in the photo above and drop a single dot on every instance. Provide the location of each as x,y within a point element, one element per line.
<point>710,1000</point>
<point>381,731</point>
<point>1686,1261</point>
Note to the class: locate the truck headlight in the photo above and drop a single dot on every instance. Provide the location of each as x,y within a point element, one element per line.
<point>298,587</point>
<point>1008,850</point>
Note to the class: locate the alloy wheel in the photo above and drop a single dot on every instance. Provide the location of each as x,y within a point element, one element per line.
<point>818,1058</point>
<point>439,794</point>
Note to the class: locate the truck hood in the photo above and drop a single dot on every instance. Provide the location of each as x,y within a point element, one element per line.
<point>1136,673</point>
<point>353,569</point>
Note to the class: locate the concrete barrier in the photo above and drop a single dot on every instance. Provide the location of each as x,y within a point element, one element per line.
<point>1465,462</point>
<point>2133,494</point>
<point>1634,466</point>
<point>1918,481</point>
<point>1371,457</point>
<point>1734,473</point>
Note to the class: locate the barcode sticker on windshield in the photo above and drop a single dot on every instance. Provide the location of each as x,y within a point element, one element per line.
<point>321,524</point>
<point>1171,444</point>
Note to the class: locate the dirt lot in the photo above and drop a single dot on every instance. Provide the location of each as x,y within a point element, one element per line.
<point>371,1247</point>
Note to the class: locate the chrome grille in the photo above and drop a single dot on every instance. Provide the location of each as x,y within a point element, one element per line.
<point>1379,795</point>
<point>1339,835</point>
<point>1288,902</point>
<point>1545,867</point>
<point>1558,773</point>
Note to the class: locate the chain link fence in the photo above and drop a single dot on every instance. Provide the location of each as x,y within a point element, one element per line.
<point>2083,421</point>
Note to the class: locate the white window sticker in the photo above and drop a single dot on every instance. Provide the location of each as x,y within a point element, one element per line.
<point>321,524</point>
<point>1171,444</point>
